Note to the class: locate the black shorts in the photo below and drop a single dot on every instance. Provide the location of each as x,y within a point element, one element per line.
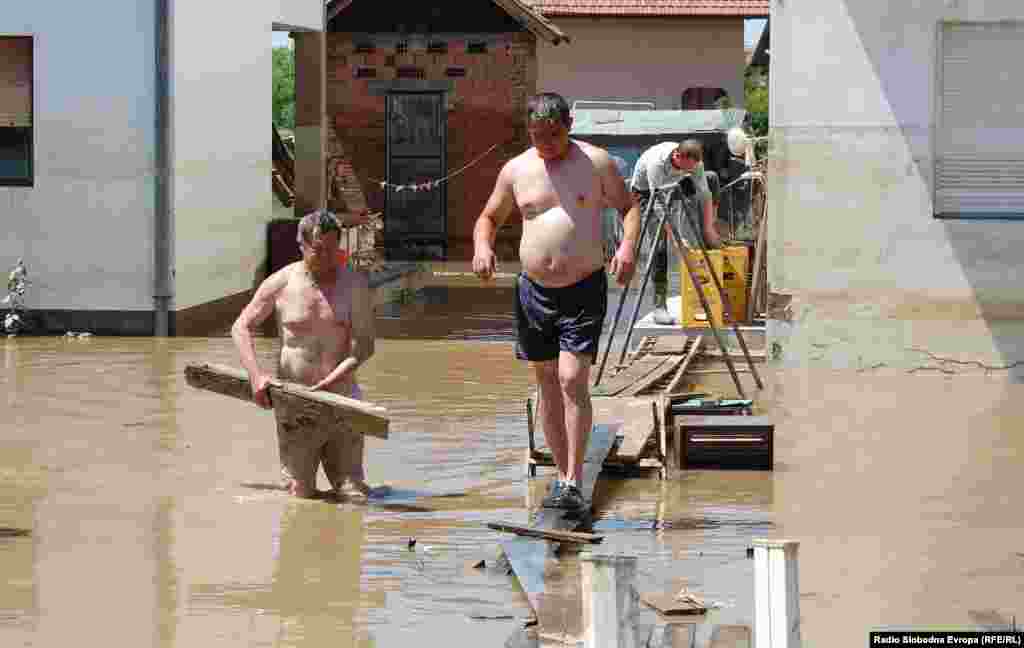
<point>560,319</point>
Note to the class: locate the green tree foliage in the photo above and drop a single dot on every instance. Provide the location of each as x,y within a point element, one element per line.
<point>284,87</point>
<point>756,89</point>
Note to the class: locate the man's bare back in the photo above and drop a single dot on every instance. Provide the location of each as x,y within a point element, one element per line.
<point>561,204</point>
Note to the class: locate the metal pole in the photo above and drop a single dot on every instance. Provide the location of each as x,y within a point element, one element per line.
<point>163,283</point>
<point>643,284</point>
<point>622,300</point>
<point>707,307</point>
<point>725,300</point>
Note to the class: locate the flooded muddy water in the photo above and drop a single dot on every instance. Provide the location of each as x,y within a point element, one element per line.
<point>125,517</point>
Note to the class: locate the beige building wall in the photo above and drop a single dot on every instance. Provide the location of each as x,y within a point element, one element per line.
<point>883,448</point>
<point>852,232</point>
<point>85,228</point>
<point>221,101</point>
<point>651,59</point>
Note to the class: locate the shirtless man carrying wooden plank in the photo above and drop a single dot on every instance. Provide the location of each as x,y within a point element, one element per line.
<point>325,313</point>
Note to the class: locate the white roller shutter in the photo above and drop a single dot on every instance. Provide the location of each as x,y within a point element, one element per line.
<point>15,81</point>
<point>980,136</point>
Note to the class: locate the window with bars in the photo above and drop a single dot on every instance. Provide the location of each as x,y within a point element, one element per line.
<point>16,111</point>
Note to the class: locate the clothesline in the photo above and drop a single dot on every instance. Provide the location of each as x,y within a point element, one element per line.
<point>432,184</point>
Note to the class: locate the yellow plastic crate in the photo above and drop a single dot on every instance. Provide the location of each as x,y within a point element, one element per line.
<point>734,277</point>
<point>693,315</point>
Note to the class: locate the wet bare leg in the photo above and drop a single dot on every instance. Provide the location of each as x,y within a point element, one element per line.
<point>552,413</point>
<point>343,463</point>
<point>574,383</point>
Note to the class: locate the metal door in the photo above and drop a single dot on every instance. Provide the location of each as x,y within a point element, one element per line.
<point>415,218</point>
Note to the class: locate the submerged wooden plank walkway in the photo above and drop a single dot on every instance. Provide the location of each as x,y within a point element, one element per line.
<point>528,557</point>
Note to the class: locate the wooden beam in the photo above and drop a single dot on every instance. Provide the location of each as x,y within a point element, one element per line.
<point>366,418</point>
<point>638,426</point>
<point>694,348</point>
<point>546,534</point>
<point>653,377</point>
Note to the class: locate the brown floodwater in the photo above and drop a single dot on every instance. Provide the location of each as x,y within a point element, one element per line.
<point>128,515</point>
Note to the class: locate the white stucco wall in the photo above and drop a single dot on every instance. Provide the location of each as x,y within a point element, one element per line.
<point>85,228</point>
<point>643,59</point>
<point>852,232</point>
<point>221,98</point>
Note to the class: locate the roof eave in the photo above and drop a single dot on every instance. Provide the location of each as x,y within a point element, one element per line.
<point>535,22</point>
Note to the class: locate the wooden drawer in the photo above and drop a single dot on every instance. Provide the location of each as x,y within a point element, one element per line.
<point>743,442</point>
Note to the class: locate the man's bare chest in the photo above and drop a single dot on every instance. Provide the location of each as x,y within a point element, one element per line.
<point>311,307</point>
<point>575,190</point>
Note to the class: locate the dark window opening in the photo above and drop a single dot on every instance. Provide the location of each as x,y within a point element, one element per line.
<point>702,98</point>
<point>437,48</point>
<point>366,73</point>
<point>16,111</point>
<point>365,48</point>
<point>476,47</point>
<point>455,72</point>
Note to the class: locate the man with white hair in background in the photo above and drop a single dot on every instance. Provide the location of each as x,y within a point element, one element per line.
<point>325,312</point>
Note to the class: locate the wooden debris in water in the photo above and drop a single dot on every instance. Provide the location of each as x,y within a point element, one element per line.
<point>669,605</point>
<point>546,534</point>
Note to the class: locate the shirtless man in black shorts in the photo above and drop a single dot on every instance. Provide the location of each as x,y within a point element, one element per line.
<point>560,186</point>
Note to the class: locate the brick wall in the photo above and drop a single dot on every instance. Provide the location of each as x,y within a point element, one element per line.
<point>487,107</point>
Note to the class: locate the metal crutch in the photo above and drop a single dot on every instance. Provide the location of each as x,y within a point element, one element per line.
<point>622,299</point>
<point>725,299</point>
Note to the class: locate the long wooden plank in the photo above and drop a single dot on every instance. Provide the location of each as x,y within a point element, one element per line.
<point>664,371</point>
<point>557,536</point>
<point>638,427</point>
<point>366,418</point>
<point>636,371</point>
<point>528,556</point>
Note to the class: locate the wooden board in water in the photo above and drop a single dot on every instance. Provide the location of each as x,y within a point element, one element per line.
<point>366,418</point>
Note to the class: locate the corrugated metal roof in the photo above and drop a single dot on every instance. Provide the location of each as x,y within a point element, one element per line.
<point>653,122</point>
<point>748,8</point>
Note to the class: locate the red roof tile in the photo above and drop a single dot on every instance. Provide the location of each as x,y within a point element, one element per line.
<point>751,8</point>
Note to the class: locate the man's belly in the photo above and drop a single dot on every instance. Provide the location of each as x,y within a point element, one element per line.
<point>556,252</point>
<point>306,360</point>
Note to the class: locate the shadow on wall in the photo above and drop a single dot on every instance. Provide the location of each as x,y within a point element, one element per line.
<point>987,251</point>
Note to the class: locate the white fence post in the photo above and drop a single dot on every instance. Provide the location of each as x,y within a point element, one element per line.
<point>609,600</point>
<point>776,594</point>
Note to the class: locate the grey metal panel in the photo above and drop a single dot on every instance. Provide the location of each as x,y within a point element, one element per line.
<point>980,134</point>
<point>653,122</point>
